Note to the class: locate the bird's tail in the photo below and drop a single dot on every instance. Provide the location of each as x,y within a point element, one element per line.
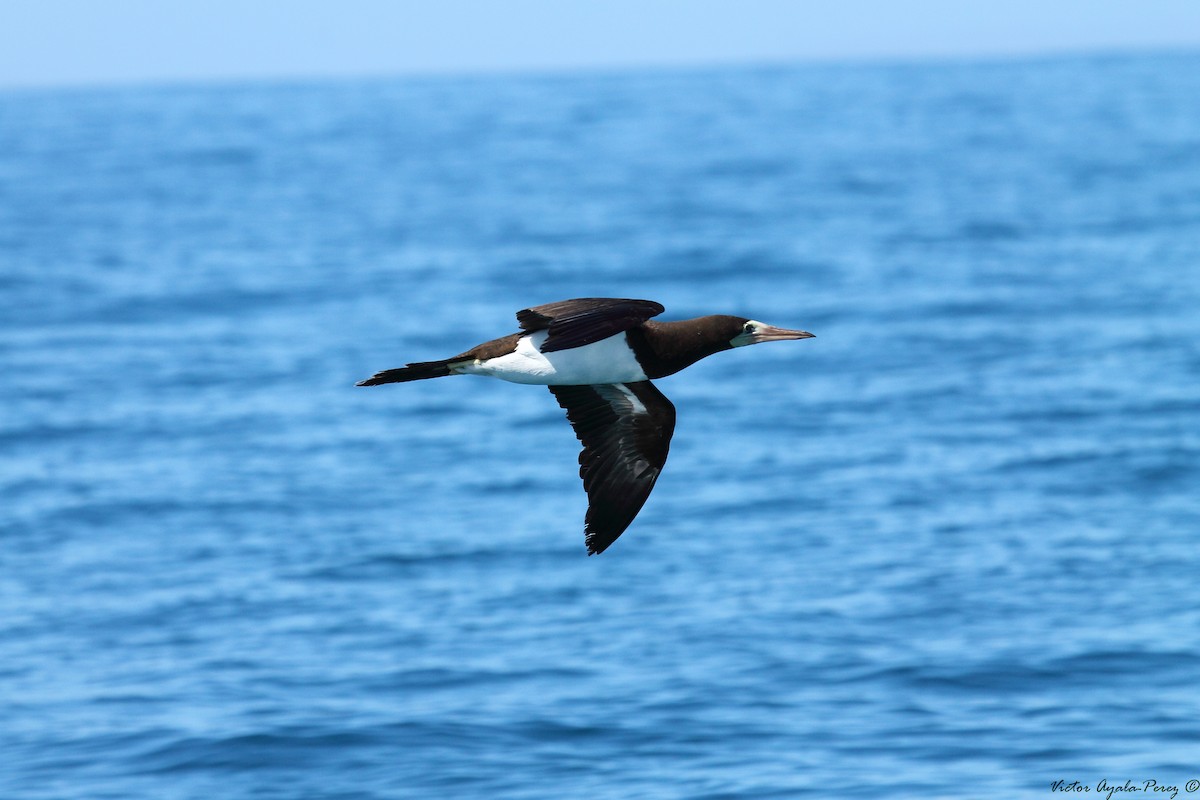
<point>411,372</point>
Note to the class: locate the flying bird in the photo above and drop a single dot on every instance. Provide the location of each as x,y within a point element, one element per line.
<point>598,356</point>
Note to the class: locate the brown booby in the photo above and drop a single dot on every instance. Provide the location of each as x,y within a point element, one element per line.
<point>597,356</point>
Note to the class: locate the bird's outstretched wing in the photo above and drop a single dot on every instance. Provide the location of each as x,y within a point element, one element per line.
<point>626,431</point>
<point>574,323</point>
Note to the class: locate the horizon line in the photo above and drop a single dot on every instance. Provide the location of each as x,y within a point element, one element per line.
<point>982,58</point>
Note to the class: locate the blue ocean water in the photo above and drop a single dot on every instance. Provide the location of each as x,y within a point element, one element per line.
<point>947,549</point>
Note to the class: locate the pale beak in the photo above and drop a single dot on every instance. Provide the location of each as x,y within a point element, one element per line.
<point>769,333</point>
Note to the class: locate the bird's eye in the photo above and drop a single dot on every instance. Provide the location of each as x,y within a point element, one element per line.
<point>748,327</point>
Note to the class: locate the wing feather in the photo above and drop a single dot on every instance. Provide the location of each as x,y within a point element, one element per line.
<point>574,323</point>
<point>625,430</point>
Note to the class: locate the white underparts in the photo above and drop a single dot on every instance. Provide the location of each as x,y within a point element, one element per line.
<point>606,361</point>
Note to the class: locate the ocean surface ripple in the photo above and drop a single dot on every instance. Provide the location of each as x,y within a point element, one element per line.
<point>947,549</point>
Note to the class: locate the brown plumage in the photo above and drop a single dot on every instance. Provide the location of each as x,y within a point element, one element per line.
<point>597,355</point>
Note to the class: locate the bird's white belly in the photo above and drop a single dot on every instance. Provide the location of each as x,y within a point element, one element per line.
<point>606,361</point>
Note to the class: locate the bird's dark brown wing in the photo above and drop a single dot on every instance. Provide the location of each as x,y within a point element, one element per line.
<point>574,323</point>
<point>626,431</point>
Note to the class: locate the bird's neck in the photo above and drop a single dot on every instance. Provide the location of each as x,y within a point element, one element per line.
<point>664,348</point>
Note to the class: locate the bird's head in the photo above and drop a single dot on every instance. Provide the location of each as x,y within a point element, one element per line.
<point>750,331</point>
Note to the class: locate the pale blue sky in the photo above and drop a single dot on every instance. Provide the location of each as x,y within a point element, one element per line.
<point>72,42</point>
